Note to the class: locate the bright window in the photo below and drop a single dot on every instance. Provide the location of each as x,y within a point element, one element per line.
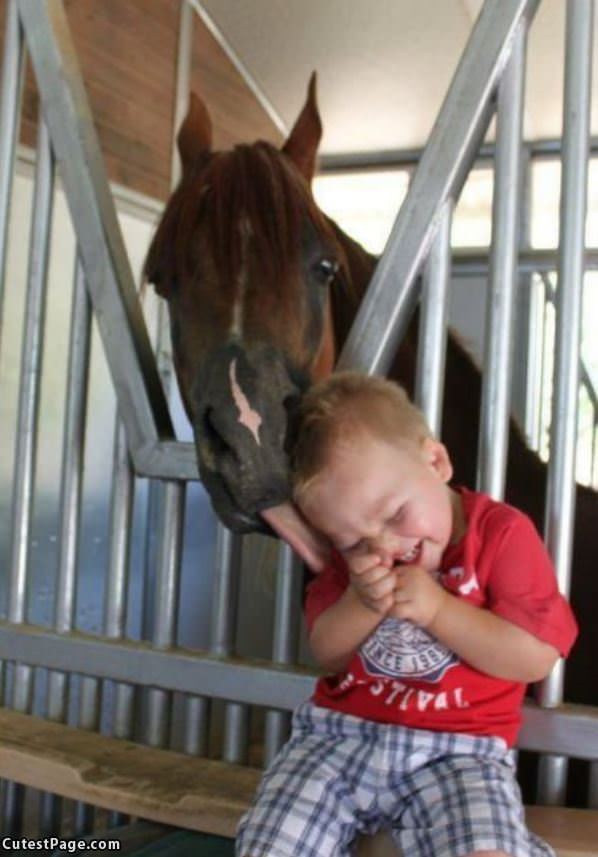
<point>365,204</point>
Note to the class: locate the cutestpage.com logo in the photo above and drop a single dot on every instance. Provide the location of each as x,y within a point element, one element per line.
<point>54,843</point>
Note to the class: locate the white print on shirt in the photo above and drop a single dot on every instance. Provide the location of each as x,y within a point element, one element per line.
<point>468,581</point>
<point>411,698</point>
<point>400,649</point>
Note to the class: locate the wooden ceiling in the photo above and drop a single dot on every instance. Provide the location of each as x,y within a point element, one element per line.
<point>127,51</point>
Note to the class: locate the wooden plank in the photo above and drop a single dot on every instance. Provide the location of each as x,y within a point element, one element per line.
<point>197,794</point>
<point>168,787</point>
<point>572,832</point>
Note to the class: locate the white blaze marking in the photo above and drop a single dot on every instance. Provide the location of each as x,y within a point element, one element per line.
<point>238,310</point>
<point>236,328</point>
<point>247,416</point>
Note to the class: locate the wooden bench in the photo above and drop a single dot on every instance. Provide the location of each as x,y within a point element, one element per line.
<point>183,791</point>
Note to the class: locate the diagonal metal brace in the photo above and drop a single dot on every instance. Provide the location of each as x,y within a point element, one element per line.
<point>141,401</point>
<point>392,295</point>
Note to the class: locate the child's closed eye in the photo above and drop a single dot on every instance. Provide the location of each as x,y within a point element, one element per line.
<point>397,515</point>
<point>351,550</point>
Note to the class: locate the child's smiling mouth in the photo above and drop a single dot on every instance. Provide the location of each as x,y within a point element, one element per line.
<point>409,556</point>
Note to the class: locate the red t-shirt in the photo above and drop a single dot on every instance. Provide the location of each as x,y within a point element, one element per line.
<point>402,674</point>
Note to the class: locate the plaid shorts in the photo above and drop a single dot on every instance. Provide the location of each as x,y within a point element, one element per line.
<point>439,794</point>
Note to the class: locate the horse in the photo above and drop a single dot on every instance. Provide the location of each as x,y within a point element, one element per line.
<point>262,288</point>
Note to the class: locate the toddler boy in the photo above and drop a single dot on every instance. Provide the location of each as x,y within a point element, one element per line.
<point>436,609</point>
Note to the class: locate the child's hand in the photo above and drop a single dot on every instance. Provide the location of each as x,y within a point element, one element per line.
<point>373,582</point>
<point>417,596</point>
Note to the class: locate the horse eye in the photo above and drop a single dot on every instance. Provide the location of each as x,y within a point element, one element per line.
<point>326,270</point>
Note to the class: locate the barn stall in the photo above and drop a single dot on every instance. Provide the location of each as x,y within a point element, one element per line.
<point>130,614</point>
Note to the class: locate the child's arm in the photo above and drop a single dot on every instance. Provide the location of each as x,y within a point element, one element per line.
<point>490,643</point>
<point>484,640</point>
<point>338,631</point>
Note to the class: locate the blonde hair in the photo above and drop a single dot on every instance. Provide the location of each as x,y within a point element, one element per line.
<point>343,407</point>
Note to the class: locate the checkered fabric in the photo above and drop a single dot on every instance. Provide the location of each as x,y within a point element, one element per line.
<point>442,795</point>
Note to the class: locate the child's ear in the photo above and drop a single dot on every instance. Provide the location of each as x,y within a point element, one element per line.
<point>437,457</point>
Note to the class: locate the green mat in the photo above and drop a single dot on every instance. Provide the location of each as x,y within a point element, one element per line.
<point>146,840</point>
<point>184,843</point>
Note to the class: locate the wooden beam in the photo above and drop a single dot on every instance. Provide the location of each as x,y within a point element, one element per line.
<point>168,787</point>
<point>188,792</point>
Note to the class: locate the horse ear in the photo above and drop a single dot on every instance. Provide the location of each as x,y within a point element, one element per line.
<point>304,139</point>
<point>195,136</point>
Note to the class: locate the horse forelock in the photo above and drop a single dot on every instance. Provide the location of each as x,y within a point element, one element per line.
<point>255,193</point>
<point>249,199</point>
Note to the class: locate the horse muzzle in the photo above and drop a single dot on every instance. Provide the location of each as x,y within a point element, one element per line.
<point>241,407</point>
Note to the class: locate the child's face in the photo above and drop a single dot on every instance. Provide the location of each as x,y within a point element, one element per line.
<point>376,498</point>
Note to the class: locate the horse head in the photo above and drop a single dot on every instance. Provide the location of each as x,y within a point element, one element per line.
<point>247,263</point>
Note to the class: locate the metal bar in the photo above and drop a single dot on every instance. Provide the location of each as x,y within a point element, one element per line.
<point>545,402</point>
<point>560,499</point>
<point>89,719</point>
<point>475,263</point>
<point>568,729</point>
<point>496,386</point>
<point>195,739</point>
<point>141,401</point>
<point>533,366</point>
<point>70,504</point>
<point>13,66</point>
<point>27,427</point>
<point>223,632</point>
<point>429,379</point>
<point>236,733</point>
<point>388,159</point>
<point>289,581</point>
<point>166,606</point>
<point>525,392</point>
<point>121,504</point>
<point>197,714</point>
<point>225,593</point>
<point>115,605</point>
<point>387,307</point>
<point>115,613</point>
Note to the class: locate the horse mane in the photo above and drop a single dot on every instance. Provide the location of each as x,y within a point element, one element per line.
<point>251,190</point>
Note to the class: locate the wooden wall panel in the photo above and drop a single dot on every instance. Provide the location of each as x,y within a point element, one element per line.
<point>127,53</point>
<point>235,112</point>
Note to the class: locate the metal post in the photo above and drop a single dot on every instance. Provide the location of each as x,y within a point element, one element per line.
<point>560,495</point>
<point>495,409</point>
<point>70,504</point>
<point>535,362</point>
<point>429,380</point>
<point>10,103</point>
<point>31,365</point>
<point>195,740</point>
<point>115,607</point>
<point>89,718</point>
<point>222,634</point>
<point>525,385</point>
<point>166,606</point>
<point>286,639</point>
